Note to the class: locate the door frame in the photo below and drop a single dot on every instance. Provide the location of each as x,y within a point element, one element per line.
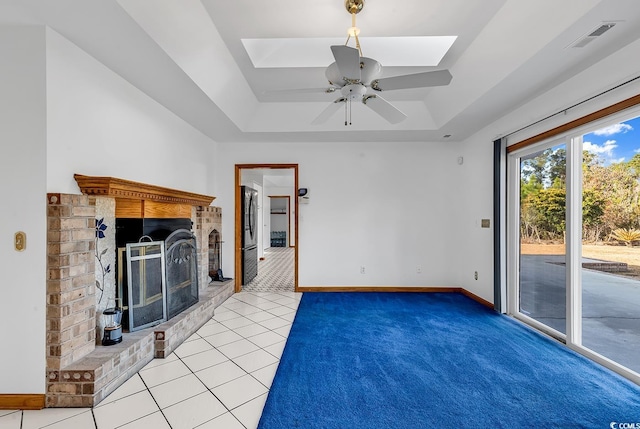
<point>238,219</point>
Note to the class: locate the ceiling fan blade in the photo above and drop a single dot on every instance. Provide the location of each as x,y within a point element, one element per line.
<point>383,108</point>
<point>417,80</point>
<point>328,111</point>
<point>348,61</point>
<point>327,90</point>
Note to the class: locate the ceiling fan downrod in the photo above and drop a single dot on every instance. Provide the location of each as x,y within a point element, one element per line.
<point>354,7</point>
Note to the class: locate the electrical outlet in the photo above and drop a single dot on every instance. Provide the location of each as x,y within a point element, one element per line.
<point>362,269</point>
<point>419,270</point>
<point>20,241</point>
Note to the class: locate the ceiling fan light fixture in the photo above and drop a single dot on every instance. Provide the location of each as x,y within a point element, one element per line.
<point>353,31</point>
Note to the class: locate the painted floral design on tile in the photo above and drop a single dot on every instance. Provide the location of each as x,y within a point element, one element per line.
<point>101,269</point>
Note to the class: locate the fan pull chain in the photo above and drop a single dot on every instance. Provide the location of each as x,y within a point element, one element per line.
<point>345,112</point>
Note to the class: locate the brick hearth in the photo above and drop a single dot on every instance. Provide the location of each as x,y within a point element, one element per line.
<point>80,371</point>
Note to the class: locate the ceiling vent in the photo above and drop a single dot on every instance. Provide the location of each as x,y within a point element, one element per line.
<point>592,35</point>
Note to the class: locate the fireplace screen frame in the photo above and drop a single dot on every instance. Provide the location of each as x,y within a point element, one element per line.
<point>142,259</point>
<point>181,252</point>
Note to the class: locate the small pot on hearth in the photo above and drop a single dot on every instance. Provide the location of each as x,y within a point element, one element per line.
<point>112,326</point>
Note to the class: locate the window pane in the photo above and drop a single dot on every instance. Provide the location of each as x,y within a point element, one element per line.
<point>610,239</point>
<point>542,237</point>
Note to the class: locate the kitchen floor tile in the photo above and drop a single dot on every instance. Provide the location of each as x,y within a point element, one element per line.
<point>211,328</point>
<point>238,348</point>
<point>155,421</point>
<point>160,361</point>
<point>255,360</point>
<point>286,301</point>
<point>81,421</point>
<point>193,337</point>
<point>220,374</point>
<point>225,421</point>
<point>11,420</point>
<point>279,311</point>
<point>289,317</point>
<point>177,390</point>
<point>239,391</point>
<point>35,419</point>
<point>162,374</point>
<point>204,360</point>
<point>266,339</point>
<point>265,375</point>
<point>227,315</point>
<point>129,387</point>
<point>267,305</point>
<point>194,411</point>
<point>125,410</point>
<point>274,323</point>
<point>250,330</point>
<point>192,347</point>
<point>276,349</point>
<point>249,413</point>
<point>238,322</point>
<point>260,317</point>
<point>247,309</point>
<point>284,330</point>
<point>223,338</point>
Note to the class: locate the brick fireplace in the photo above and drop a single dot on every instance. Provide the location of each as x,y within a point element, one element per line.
<point>81,284</point>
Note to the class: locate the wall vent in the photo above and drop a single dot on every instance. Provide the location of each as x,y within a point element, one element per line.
<point>592,35</point>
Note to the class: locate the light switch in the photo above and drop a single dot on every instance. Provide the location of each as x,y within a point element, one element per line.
<point>485,223</point>
<point>20,241</point>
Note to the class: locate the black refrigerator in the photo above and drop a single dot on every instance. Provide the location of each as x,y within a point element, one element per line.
<point>249,234</point>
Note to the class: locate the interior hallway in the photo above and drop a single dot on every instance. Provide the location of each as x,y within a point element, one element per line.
<point>275,272</point>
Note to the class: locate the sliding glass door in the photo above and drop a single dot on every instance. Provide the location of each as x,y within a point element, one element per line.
<point>574,240</point>
<point>542,274</point>
<point>610,242</point>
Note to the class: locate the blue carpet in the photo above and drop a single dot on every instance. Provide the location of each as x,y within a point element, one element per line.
<point>434,360</point>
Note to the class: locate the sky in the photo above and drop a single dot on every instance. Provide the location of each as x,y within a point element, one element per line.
<point>615,143</point>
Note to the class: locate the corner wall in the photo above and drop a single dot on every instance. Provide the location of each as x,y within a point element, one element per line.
<point>23,190</point>
<point>476,198</point>
<point>98,124</point>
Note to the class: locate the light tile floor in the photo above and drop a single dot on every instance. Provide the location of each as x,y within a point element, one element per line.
<point>218,378</point>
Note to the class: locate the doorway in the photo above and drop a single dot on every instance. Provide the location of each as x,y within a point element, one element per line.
<point>279,180</point>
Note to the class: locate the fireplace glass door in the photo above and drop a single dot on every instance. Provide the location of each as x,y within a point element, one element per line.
<point>146,284</point>
<point>182,271</point>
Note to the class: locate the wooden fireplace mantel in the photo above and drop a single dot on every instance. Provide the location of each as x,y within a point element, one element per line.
<point>134,199</point>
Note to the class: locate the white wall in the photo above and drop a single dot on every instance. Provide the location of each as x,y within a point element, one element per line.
<point>23,189</point>
<point>475,196</point>
<point>98,124</point>
<point>385,206</point>
<point>62,112</point>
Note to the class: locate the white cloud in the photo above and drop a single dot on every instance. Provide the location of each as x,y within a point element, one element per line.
<point>613,129</point>
<point>617,161</point>
<point>605,149</point>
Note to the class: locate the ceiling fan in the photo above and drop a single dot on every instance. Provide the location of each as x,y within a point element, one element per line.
<point>357,78</point>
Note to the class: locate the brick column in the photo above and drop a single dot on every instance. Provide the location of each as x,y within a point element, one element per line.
<point>71,313</point>
<point>206,220</point>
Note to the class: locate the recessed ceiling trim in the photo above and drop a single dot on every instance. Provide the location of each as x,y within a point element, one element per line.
<point>417,51</point>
